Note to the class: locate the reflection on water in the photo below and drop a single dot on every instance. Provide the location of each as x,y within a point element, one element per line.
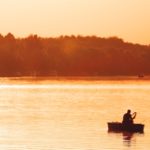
<point>71,115</point>
<point>127,138</point>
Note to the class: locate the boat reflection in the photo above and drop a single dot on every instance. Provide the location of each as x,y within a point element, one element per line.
<point>127,138</point>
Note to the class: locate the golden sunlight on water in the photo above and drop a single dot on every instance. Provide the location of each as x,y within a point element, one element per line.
<point>71,114</point>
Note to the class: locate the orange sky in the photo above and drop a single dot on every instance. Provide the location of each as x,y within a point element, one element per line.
<point>128,19</point>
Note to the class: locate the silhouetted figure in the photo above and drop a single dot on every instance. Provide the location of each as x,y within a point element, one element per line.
<point>128,117</point>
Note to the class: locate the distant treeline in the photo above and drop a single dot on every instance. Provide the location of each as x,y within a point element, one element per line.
<point>71,56</point>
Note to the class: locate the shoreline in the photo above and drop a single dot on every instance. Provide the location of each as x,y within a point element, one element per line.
<point>78,78</point>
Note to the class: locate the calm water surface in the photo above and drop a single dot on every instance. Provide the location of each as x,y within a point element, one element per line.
<point>71,114</point>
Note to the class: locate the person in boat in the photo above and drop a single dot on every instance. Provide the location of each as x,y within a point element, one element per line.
<point>128,117</point>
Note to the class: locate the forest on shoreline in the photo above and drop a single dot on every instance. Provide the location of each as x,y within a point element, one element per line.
<point>72,56</point>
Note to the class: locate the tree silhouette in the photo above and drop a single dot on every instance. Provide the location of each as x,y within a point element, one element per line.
<point>71,56</point>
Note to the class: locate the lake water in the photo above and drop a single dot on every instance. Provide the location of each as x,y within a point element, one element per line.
<point>67,114</point>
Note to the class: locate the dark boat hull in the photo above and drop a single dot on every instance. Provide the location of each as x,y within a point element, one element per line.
<point>119,127</point>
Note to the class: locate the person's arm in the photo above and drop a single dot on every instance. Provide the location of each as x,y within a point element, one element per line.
<point>134,115</point>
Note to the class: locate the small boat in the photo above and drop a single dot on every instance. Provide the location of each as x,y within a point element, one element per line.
<point>119,127</point>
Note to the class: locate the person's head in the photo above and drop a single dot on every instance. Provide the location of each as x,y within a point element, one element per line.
<point>128,111</point>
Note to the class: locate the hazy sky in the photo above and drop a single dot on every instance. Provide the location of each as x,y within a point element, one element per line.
<point>128,19</point>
